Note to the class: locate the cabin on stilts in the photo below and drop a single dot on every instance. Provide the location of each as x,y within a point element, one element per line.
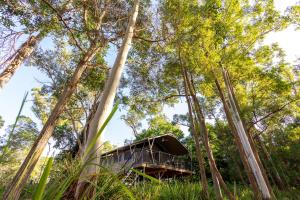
<point>160,157</point>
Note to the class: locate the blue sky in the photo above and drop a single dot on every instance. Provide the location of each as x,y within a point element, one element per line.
<point>117,131</point>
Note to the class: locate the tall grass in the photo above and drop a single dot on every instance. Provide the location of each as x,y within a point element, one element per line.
<point>103,185</point>
<point>185,190</point>
<point>176,190</point>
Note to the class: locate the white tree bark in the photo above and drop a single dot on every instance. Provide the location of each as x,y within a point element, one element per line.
<point>23,52</point>
<point>261,182</point>
<point>107,99</point>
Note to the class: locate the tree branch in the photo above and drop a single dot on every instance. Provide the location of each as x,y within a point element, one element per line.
<point>270,114</point>
<point>65,24</point>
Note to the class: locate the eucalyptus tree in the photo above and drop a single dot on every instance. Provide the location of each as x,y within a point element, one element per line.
<point>177,24</point>
<point>269,21</point>
<point>92,35</point>
<point>218,29</point>
<point>25,131</point>
<point>91,150</point>
<point>208,38</point>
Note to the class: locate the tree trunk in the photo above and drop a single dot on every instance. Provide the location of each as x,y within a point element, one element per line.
<point>275,173</point>
<point>251,157</point>
<point>197,143</point>
<point>106,101</point>
<point>217,177</point>
<point>23,52</point>
<point>243,155</point>
<point>252,144</point>
<point>203,129</point>
<point>14,189</point>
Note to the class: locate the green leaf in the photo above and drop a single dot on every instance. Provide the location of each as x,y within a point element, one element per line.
<point>43,181</point>
<point>101,129</point>
<point>152,179</point>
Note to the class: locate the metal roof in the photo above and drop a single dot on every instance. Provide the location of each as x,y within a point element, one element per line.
<point>168,143</point>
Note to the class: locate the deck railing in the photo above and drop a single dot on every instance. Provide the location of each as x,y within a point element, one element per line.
<point>138,157</point>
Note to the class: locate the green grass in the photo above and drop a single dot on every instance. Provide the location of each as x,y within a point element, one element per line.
<point>109,187</point>
<point>185,190</point>
<point>165,191</point>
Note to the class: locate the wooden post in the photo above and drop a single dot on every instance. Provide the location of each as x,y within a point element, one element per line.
<point>159,157</point>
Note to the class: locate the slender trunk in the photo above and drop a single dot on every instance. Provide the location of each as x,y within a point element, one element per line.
<point>197,143</point>
<point>275,173</point>
<point>14,189</point>
<point>252,144</point>
<point>203,129</point>
<point>252,158</point>
<point>107,99</point>
<point>23,52</point>
<point>243,155</point>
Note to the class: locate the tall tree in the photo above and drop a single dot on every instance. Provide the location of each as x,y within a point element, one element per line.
<point>197,145</point>
<point>107,98</point>
<point>218,179</point>
<point>257,171</point>
<point>94,45</point>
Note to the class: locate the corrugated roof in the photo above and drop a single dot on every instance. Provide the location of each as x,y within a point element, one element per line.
<point>168,142</point>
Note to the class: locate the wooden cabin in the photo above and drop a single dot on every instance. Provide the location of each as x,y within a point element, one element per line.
<point>161,157</point>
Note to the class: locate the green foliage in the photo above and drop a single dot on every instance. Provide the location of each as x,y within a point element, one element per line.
<point>107,146</point>
<point>203,39</point>
<point>180,190</point>
<point>14,147</point>
<point>67,173</point>
<point>38,194</point>
<point>24,133</point>
<point>18,134</point>
<point>175,190</point>
<point>283,146</point>
<point>159,125</point>
<point>1,122</point>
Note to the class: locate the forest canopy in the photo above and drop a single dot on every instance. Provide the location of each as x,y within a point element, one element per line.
<point>201,71</point>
